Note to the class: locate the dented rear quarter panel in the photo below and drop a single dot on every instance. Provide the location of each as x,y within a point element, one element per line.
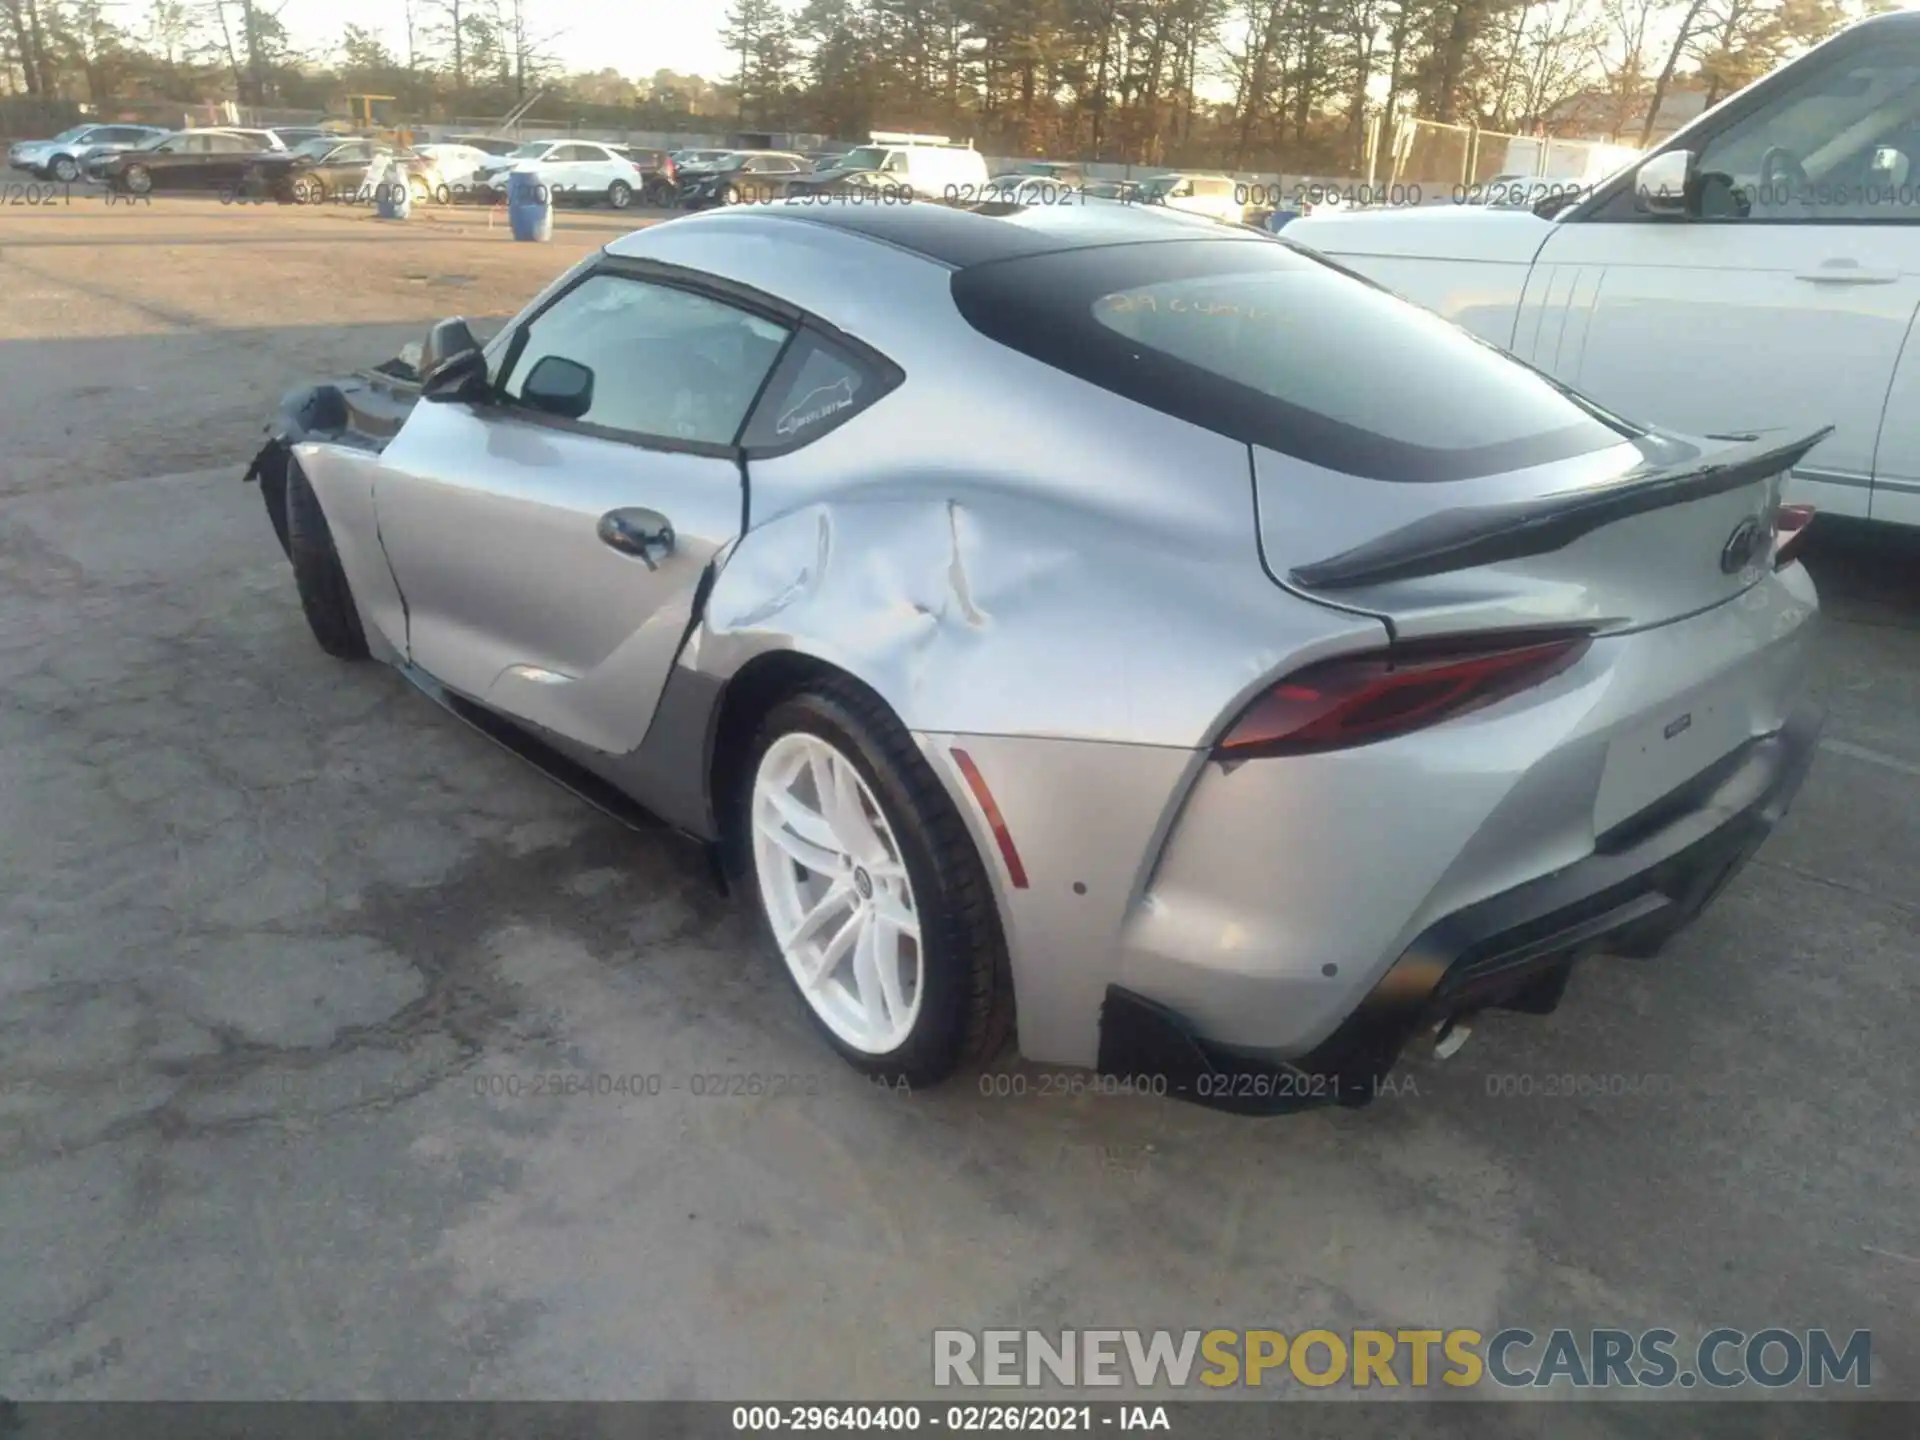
<point>1052,578</point>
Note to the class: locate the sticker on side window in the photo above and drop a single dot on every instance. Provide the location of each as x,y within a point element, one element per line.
<point>815,406</point>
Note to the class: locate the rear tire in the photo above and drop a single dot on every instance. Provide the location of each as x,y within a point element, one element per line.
<point>619,195</point>
<point>317,575</point>
<point>960,1010</point>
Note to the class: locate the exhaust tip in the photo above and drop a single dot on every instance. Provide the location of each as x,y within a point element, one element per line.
<point>1449,1036</point>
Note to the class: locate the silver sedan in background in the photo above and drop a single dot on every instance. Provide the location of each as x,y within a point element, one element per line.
<point>1142,635</point>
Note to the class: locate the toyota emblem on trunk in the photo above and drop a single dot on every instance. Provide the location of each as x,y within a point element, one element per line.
<point>1741,546</point>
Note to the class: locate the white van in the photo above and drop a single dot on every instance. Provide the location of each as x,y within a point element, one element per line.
<point>1218,197</point>
<point>932,166</point>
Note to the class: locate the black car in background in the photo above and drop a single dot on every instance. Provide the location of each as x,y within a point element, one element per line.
<point>191,160</point>
<point>662,176</point>
<point>743,177</point>
<point>336,167</point>
<point>293,136</point>
<point>1063,173</point>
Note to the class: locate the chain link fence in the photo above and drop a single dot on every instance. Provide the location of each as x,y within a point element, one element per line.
<point>1441,159</point>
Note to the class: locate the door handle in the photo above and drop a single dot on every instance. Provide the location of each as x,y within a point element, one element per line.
<point>638,533</point>
<point>1847,272</point>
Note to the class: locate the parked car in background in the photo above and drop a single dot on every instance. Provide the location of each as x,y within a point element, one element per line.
<point>1239,594</point>
<point>1061,172</point>
<point>1214,196</point>
<point>745,176</point>
<point>487,144</point>
<point>331,168</point>
<point>929,166</point>
<point>195,160</point>
<point>457,163</point>
<point>293,136</point>
<point>1760,270</point>
<point>660,177</point>
<point>65,156</point>
<point>824,159</point>
<point>1128,190</point>
<point>699,159</point>
<point>572,170</point>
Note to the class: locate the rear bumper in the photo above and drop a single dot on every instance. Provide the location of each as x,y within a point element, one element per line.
<point>1644,881</point>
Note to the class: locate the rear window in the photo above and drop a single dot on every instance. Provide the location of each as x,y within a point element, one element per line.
<point>1261,342</point>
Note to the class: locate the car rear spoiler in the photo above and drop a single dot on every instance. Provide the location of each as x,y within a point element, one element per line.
<point>1489,534</point>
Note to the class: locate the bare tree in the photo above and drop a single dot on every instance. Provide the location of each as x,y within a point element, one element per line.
<point>1623,58</point>
<point>1691,22</point>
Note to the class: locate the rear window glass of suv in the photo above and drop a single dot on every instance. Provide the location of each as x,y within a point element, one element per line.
<point>1259,341</point>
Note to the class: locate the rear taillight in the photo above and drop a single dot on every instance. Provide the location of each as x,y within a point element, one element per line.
<point>1359,699</point>
<point>1790,525</point>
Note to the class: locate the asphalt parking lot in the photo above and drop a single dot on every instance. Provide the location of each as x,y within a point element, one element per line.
<point>279,940</point>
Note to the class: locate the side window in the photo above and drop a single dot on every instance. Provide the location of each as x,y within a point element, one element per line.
<point>896,163</point>
<point>819,386</point>
<point>1841,144</point>
<point>663,363</point>
<point>198,144</point>
<point>565,153</point>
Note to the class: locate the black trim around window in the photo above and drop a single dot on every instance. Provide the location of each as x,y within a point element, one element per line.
<point>504,353</point>
<point>880,374</point>
<point>1043,307</point>
<point>674,277</point>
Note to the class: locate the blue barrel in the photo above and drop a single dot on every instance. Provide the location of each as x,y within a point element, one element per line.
<point>393,197</point>
<point>529,206</point>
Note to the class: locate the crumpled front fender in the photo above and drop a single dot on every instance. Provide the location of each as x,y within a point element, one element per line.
<point>309,412</point>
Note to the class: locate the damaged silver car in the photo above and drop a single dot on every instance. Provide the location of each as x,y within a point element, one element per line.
<point>1157,639</point>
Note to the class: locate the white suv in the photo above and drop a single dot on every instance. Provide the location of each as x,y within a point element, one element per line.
<point>1759,272</point>
<point>571,169</point>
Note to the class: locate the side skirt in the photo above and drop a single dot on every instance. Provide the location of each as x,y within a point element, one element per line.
<point>571,774</point>
<point>567,773</point>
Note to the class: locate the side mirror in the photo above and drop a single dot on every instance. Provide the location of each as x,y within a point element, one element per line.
<point>559,387</point>
<point>1661,185</point>
<point>451,362</point>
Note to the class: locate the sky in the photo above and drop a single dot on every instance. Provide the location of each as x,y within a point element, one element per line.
<point>635,37</point>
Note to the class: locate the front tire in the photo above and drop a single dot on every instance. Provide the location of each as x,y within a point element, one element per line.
<point>317,573</point>
<point>65,169</point>
<point>138,180</point>
<point>870,889</point>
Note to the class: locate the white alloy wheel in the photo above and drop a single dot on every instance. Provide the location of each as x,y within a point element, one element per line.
<point>836,893</point>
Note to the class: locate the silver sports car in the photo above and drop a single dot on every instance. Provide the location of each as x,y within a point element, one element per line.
<point>1146,635</point>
